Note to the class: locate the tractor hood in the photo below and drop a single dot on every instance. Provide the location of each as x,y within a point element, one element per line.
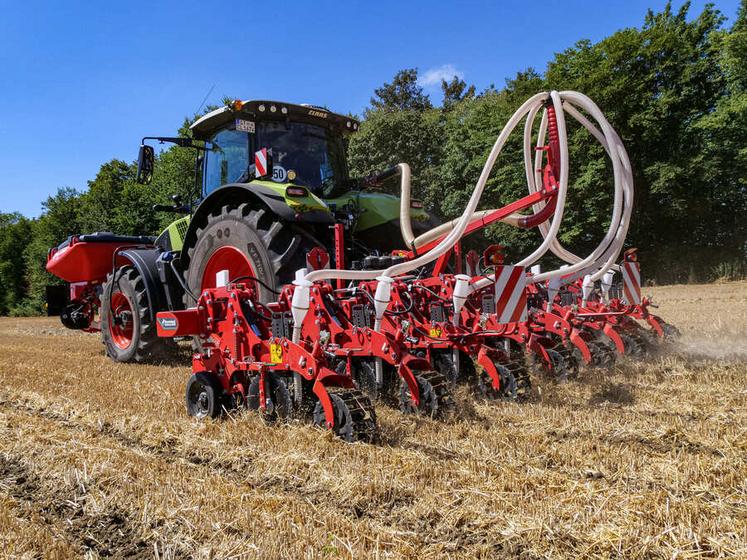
<point>375,209</point>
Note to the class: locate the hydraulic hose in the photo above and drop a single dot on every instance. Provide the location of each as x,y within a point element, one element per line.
<point>598,261</point>
<point>612,250</point>
<point>450,240</point>
<point>608,249</point>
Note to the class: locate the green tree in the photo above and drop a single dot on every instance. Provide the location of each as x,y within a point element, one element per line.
<point>403,94</point>
<point>15,233</point>
<point>60,219</point>
<point>401,126</point>
<point>455,90</point>
<point>102,204</point>
<point>655,84</point>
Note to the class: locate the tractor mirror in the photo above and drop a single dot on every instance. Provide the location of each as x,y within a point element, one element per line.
<point>145,163</point>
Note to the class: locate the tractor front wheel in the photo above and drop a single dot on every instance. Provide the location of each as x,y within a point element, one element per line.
<point>247,242</point>
<point>127,329</point>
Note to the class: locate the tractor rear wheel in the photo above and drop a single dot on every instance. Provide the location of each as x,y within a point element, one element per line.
<point>247,242</point>
<point>127,329</point>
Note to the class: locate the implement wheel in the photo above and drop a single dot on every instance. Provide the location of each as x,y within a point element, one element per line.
<point>203,396</point>
<point>278,403</point>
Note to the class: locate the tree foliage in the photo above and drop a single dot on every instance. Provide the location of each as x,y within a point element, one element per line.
<point>403,94</point>
<point>674,89</point>
<point>15,232</point>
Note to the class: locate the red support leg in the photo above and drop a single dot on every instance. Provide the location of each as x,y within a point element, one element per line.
<point>340,252</point>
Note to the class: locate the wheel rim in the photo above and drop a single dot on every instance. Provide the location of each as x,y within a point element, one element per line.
<point>226,258</point>
<point>200,400</point>
<point>121,320</point>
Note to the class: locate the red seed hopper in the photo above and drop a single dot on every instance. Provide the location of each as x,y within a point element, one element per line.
<point>89,258</point>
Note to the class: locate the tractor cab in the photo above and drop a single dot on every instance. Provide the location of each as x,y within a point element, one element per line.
<point>296,155</point>
<point>293,159</point>
<point>299,145</point>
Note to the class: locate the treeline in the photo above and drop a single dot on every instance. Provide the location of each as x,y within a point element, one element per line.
<point>674,89</point>
<point>113,201</point>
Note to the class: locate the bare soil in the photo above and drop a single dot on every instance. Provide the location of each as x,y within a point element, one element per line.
<point>646,460</point>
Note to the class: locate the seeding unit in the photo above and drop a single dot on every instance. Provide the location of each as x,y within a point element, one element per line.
<point>403,325</point>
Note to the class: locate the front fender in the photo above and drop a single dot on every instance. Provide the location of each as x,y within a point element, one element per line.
<point>144,261</point>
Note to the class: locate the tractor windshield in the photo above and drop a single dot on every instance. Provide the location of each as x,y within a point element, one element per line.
<point>305,154</point>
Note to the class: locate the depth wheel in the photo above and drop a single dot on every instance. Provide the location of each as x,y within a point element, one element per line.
<point>444,364</point>
<point>602,355</point>
<point>509,390</point>
<point>557,369</point>
<point>435,396</point>
<point>671,333</point>
<point>355,419</point>
<point>364,377</point>
<point>278,402</point>
<point>634,345</point>
<point>570,363</point>
<point>203,396</point>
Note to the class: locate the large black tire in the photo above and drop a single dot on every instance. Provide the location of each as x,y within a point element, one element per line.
<point>128,331</point>
<point>271,248</point>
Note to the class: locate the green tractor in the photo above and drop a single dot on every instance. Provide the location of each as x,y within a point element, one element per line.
<point>276,196</point>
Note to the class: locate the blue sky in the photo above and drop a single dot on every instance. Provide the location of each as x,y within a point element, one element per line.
<point>82,82</point>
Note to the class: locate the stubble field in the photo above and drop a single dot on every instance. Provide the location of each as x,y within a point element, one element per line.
<point>649,460</point>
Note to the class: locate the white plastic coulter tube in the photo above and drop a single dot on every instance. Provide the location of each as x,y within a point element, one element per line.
<point>606,284</point>
<point>587,288</point>
<point>461,293</point>
<point>382,297</point>
<point>300,305</point>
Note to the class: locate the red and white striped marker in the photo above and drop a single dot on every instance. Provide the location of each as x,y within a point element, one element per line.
<point>260,162</point>
<point>317,259</point>
<point>510,294</point>
<point>631,273</point>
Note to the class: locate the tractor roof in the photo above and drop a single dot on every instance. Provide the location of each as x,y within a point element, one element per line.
<point>261,110</point>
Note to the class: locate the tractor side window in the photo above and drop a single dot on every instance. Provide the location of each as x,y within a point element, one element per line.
<point>227,160</point>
